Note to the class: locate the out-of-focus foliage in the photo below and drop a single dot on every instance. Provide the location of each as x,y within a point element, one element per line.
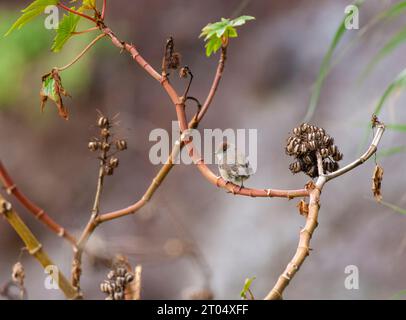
<point>25,58</point>
<point>35,9</point>
<point>325,65</point>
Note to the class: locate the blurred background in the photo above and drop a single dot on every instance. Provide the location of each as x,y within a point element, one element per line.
<point>193,236</point>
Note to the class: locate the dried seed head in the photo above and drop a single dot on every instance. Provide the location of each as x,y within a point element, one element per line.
<point>119,278</point>
<point>93,146</point>
<point>121,145</point>
<point>103,122</point>
<point>174,61</point>
<point>304,144</point>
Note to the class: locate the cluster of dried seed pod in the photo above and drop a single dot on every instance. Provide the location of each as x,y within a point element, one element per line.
<point>304,144</point>
<point>105,145</point>
<point>117,281</point>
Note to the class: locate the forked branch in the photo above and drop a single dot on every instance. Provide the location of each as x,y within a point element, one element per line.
<point>303,248</point>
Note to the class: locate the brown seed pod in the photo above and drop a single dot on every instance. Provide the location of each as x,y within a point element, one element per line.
<point>129,277</point>
<point>324,153</point>
<point>113,162</point>
<point>93,146</point>
<point>103,122</point>
<point>295,167</point>
<point>121,145</point>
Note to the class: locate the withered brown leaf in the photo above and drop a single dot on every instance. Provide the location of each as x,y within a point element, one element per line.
<point>52,89</point>
<point>377,183</point>
<point>303,207</point>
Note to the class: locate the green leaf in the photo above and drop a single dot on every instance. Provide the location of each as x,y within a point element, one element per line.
<point>33,10</point>
<point>388,48</point>
<point>246,288</point>
<point>66,27</point>
<point>394,207</point>
<point>216,33</point>
<point>241,20</point>
<point>89,4</point>
<point>394,10</point>
<point>213,45</point>
<point>391,151</point>
<point>325,64</point>
<point>397,84</point>
<point>396,127</point>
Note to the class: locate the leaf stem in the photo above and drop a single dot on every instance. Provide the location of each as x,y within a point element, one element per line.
<point>80,55</point>
<point>103,14</point>
<point>76,12</point>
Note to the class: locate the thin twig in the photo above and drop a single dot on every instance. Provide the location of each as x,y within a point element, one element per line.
<point>371,150</point>
<point>103,14</point>
<point>80,55</point>
<point>34,247</point>
<point>76,12</point>
<point>85,31</point>
<point>91,225</point>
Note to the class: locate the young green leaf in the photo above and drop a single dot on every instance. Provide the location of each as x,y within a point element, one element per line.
<point>216,34</point>
<point>89,4</point>
<point>325,65</point>
<point>33,10</point>
<point>66,27</point>
<point>246,289</point>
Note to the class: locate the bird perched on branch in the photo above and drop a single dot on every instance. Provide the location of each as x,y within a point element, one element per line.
<point>233,166</point>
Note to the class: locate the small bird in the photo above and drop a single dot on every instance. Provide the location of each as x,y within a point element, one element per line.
<point>233,166</point>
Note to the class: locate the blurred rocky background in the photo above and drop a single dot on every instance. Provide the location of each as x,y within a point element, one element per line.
<point>192,235</point>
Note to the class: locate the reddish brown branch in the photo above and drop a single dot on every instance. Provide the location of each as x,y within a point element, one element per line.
<point>76,12</point>
<point>39,213</point>
<point>181,116</point>
<point>103,14</point>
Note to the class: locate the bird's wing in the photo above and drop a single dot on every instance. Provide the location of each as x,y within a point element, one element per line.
<point>244,167</point>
